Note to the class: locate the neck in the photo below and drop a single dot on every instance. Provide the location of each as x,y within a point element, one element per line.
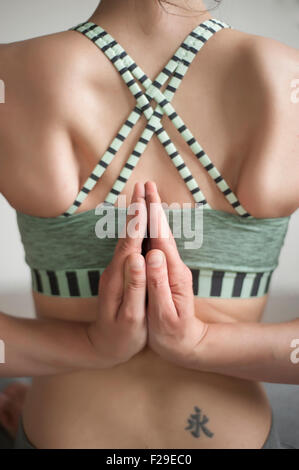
<point>148,17</point>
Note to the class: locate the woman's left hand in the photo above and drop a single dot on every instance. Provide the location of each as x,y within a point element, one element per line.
<point>173,328</point>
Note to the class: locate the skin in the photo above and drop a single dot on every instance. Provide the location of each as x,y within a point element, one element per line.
<point>179,335</point>
<point>146,399</point>
<point>11,403</point>
<point>118,332</point>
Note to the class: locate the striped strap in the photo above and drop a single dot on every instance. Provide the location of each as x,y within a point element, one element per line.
<point>164,106</point>
<point>229,284</point>
<point>105,42</point>
<point>67,283</point>
<point>177,66</point>
<point>206,283</point>
<point>183,59</point>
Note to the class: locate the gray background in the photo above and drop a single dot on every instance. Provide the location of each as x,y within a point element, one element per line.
<point>278,19</point>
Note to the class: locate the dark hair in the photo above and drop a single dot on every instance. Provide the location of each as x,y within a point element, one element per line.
<point>183,8</point>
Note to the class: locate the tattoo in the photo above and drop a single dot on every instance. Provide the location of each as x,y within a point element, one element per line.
<point>197,423</point>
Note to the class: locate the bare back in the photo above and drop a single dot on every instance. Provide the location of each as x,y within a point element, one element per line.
<point>64,102</point>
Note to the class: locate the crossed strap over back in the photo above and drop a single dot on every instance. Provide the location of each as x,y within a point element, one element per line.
<point>175,71</point>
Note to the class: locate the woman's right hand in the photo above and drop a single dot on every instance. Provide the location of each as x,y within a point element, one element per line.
<point>120,330</point>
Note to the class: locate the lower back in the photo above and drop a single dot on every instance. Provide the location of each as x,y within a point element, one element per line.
<point>146,402</point>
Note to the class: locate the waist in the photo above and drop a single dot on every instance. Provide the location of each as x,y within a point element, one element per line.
<point>146,403</point>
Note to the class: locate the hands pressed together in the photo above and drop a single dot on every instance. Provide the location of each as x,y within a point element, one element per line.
<point>126,323</point>
<point>149,301</point>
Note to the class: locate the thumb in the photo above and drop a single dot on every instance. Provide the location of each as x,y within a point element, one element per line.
<point>133,304</point>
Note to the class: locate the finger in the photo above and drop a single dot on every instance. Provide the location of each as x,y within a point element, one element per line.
<point>179,275</point>
<point>133,305</point>
<point>111,289</point>
<point>160,303</point>
<point>4,400</point>
<point>16,391</point>
<point>132,235</point>
<point>138,191</point>
<point>131,243</point>
<point>161,236</point>
<point>6,413</point>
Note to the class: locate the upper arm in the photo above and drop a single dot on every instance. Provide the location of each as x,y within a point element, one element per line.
<point>285,109</point>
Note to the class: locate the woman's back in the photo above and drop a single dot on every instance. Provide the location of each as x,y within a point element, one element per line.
<point>64,103</point>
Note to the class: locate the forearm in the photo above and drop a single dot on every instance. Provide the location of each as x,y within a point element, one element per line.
<point>253,351</point>
<point>45,347</point>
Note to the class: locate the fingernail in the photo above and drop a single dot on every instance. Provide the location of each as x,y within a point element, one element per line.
<point>156,259</point>
<point>137,262</point>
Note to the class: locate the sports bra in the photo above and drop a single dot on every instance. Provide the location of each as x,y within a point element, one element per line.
<point>238,253</point>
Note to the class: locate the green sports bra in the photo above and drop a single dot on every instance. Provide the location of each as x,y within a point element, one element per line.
<point>238,252</point>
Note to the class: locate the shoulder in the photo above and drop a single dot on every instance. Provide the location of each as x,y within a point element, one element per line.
<point>48,67</point>
<point>52,85</point>
<point>41,76</point>
<point>273,158</point>
<point>276,63</point>
<point>267,63</point>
